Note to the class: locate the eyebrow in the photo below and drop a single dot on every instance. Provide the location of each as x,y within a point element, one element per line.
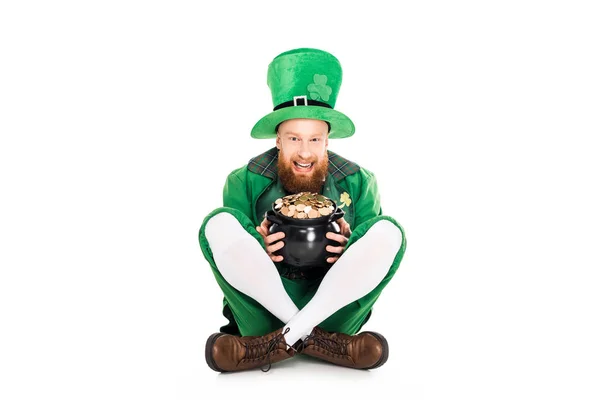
<point>297,134</point>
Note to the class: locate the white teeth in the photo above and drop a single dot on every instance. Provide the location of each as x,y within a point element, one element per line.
<point>303,165</point>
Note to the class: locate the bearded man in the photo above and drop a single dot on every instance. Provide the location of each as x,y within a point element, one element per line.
<point>276,310</point>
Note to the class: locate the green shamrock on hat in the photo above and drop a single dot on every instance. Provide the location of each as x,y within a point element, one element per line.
<point>319,90</point>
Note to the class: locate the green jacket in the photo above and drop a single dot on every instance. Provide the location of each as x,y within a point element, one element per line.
<point>254,187</point>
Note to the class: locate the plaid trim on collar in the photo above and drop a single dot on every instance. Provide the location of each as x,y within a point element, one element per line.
<point>265,164</point>
<point>339,167</point>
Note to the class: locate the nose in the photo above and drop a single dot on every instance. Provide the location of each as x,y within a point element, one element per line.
<point>304,151</point>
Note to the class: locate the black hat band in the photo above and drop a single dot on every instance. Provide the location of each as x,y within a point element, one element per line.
<point>305,102</point>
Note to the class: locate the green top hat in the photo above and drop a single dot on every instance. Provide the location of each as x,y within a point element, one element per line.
<point>304,83</point>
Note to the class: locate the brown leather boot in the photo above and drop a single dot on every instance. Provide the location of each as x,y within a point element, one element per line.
<point>367,350</point>
<point>228,353</point>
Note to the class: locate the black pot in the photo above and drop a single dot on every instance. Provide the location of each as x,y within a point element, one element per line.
<point>305,240</point>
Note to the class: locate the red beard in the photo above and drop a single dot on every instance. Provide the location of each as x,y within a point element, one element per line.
<point>296,183</point>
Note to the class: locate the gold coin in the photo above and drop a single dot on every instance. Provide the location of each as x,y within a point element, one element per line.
<point>324,211</point>
<point>304,205</point>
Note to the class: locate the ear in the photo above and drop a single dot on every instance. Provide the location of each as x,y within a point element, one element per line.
<point>278,142</point>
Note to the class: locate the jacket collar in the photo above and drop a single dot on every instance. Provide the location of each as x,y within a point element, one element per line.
<point>265,164</point>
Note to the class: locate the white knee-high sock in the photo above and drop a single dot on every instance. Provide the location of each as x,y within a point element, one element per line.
<point>358,271</point>
<point>246,266</point>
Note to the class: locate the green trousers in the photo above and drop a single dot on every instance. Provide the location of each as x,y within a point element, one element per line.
<point>252,319</point>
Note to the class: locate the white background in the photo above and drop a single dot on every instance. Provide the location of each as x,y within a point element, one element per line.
<point>120,120</point>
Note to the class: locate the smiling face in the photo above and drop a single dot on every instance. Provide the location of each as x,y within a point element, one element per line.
<point>303,160</point>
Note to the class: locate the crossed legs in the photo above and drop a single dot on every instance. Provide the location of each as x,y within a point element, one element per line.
<point>244,264</point>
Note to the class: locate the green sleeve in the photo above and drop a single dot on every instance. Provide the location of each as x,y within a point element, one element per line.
<point>368,203</point>
<point>235,193</point>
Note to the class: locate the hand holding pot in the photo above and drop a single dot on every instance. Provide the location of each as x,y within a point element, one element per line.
<point>341,238</point>
<point>273,241</point>
<point>305,239</point>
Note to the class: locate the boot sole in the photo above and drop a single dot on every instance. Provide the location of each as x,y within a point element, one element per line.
<point>384,354</point>
<point>208,351</point>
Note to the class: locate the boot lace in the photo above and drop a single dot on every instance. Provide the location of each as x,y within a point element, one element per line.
<point>329,342</point>
<point>262,349</point>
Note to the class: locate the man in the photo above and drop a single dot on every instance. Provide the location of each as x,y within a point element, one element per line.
<point>274,309</point>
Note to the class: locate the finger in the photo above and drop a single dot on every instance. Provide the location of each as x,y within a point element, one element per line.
<point>259,230</point>
<point>336,249</point>
<point>277,258</point>
<point>335,236</point>
<point>265,222</point>
<point>275,247</point>
<point>331,260</point>
<point>274,237</point>
<point>265,231</point>
<point>345,228</point>
<point>264,226</point>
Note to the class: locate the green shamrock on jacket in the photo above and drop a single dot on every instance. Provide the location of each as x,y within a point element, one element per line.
<point>345,200</point>
<point>319,90</point>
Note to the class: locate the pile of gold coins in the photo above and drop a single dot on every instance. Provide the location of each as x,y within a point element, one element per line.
<point>304,205</point>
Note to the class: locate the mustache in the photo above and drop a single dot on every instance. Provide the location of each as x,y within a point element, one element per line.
<point>303,161</point>
<point>294,183</point>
